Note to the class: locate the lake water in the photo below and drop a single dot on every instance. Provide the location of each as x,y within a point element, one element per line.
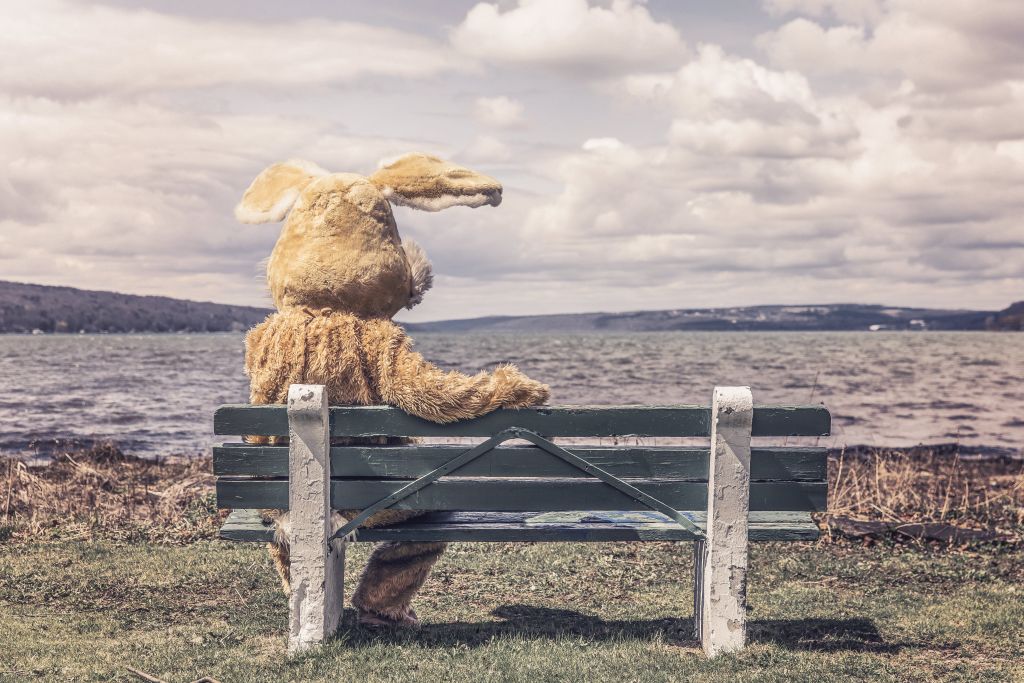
<point>155,394</point>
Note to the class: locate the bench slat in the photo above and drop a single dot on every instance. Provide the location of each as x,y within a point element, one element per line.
<point>576,516</point>
<point>494,494</point>
<point>245,525</point>
<point>598,421</point>
<point>409,462</point>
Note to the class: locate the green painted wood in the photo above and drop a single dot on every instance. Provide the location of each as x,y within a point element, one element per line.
<point>246,525</point>
<point>598,421</point>
<point>493,494</point>
<point>409,462</point>
<point>791,421</point>
<point>788,463</point>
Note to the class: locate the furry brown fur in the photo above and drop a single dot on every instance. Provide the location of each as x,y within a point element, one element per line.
<point>398,571</point>
<point>371,361</point>
<point>337,274</point>
<point>430,184</point>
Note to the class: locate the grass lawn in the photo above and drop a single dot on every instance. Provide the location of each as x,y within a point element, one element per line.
<point>516,612</point>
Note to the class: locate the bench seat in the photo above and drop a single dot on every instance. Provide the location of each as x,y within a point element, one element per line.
<point>247,525</point>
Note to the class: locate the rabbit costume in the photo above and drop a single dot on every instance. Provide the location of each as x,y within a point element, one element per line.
<point>337,274</point>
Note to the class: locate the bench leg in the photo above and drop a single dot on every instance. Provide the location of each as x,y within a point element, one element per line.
<point>721,587</point>
<point>698,586</point>
<point>317,565</point>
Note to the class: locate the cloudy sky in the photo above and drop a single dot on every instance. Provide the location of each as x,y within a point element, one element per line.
<point>654,155</point>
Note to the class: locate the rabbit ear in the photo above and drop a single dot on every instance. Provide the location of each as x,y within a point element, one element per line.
<point>275,190</point>
<point>422,271</point>
<point>430,184</point>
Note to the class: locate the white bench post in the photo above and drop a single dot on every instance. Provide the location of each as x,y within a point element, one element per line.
<point>317,565</point>
<point>720,579</point>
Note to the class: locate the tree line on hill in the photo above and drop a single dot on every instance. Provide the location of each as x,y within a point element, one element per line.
<point>27,308</point>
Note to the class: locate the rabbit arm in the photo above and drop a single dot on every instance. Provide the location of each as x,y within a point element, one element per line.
<point>406,380</point>
<point>274,353</point>
<point>270,372</point>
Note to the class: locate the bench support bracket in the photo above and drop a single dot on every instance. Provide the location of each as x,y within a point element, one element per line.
<point>317,562</point>
<point>720,576</point>
<point>519,433</point>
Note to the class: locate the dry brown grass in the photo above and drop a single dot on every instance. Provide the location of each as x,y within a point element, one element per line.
<point>102,491</point>
<point>927,486</point>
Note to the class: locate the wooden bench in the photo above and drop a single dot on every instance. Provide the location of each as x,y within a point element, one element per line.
<point>534,491</point>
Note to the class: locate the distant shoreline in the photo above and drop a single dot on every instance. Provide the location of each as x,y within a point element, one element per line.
<point>512,332</point>
<point>775,318</point>
<point>43,309</point>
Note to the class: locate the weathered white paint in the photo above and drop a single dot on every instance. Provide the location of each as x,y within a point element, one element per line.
<point>721,587</point>
<point>698,585</point>
<point>317,564</point>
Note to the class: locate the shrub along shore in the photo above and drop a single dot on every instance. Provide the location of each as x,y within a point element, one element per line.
<point>109,571</point>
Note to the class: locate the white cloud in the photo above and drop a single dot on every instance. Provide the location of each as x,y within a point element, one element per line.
<point>853,11</point>
<point>568,34</point>
<point>939,47</point>
<point>732,106</point>
<point>714,84</point>
<point>500,111</point>
<point>802,43</point>
<point>55,47</point>
<point>602,144</point>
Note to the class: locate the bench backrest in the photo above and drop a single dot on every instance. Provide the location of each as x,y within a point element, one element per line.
<point>526,477</point>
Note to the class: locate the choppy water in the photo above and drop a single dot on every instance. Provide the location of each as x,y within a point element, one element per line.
<point>155,394</point>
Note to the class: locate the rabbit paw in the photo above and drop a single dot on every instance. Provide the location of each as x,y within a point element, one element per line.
<point>519,391</point>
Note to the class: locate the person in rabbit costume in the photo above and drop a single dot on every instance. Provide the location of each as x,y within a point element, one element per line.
<point>337,274</point>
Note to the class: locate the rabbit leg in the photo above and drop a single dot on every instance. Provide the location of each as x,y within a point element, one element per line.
<point>280,549</point>
<point>392,577</point>
<point>279,553</point>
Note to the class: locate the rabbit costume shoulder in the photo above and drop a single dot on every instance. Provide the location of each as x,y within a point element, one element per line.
<point>337,274</point>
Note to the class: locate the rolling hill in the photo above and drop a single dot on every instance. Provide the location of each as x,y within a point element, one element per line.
<point>25,308</point>
<point>835,317</point>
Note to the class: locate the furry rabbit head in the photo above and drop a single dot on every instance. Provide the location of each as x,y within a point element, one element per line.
<point>340,247</point>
